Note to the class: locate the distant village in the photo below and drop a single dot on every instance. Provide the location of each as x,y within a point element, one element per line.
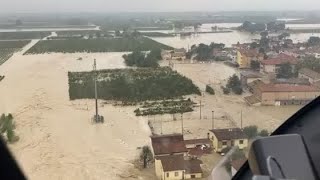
<point>273,71</point>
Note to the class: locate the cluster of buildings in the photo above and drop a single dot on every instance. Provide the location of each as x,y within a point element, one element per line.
<point>265,85</point>
<point>176,158</point>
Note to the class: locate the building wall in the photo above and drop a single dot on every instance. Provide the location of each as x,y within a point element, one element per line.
<point>218,145</point>
<point>242,60</point>
<point>214,140</point>
<point>158,168</point>
<point>172,175</point>
<point>271,98</point>
<point>197,175</point>
<point>269,68</point>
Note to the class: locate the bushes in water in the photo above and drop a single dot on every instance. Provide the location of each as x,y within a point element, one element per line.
<point>141,59</point>
<point>7,127</point>
<point>209,90</point>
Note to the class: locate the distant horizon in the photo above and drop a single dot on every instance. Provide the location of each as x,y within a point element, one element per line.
<point>114,6</point>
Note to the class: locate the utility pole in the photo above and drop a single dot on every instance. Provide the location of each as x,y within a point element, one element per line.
<point>200,109</point>
<point>95,88</point>
<point>96,118</point>
<point>241,118</point>
<point>161,124</point>
<point>182,123</point>
<point>212,119</point>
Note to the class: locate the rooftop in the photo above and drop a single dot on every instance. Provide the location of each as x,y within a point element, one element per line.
<point>310,73</point>
<point>229,134</point>
<point>177,162</point>
<point>172,162</point>
<point>168,144</point>
<point>280,59</point>
<point>287,88</point>
<point>301,81</point>
<point>236,164</point>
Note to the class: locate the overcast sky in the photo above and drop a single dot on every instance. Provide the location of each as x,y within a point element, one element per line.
<point>154,5</point>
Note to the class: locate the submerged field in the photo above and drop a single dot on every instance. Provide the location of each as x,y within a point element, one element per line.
<point>131,84</point>
<point>23,35</point>
<point>96,45</point>
<point>8,48</point>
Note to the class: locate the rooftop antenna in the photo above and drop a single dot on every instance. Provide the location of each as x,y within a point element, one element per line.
<point>97,118</point>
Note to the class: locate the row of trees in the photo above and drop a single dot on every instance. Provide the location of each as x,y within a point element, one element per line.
<point>7,128</point>
<point>141,59</point>
<point>258,27</point>
<point>131,84</point>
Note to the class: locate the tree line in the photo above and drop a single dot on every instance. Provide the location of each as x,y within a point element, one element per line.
<point>141,59</point>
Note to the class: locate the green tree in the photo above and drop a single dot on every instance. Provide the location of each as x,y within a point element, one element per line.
<point>234,84</point>
<point>285,71</point>
<point>255,65</point>
<point>264,133</point>
<point>313,41</point>
<point>209,90</point>
<point>254,45</point>
<point>117,33</point>
<point>146,156</point>
<point>310,62</point>
<point>251,131</point>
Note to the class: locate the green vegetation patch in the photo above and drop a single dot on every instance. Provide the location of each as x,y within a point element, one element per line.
<point>96,45</point>
<point>131,84</point>
<point>7,127</point>
<point>23,35</point>
<point>165,107</point>
<point>156,34</point>
<point>8,48</point>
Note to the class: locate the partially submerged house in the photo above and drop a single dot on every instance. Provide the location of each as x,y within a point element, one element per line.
<point>246,56</point>
<point>248,77</point>
<point>172,160</point>
<point>223,138</point>
<point>176,54</point>
<point>272,65</point>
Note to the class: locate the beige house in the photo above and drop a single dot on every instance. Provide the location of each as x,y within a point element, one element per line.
<point>172,160</point>
<point>286,94</point>
<point>176,54</point>
<point>223,138</point>
<point>175,167</point>
<point>244,57</point>
<point>273,65</point>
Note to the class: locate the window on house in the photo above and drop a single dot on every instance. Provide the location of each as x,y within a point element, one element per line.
<point>241,142</point>
<point>167,174</point>
<point>224,143</point>
<point>176,173</point>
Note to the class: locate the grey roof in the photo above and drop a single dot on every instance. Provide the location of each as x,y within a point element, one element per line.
<point>229,134</point>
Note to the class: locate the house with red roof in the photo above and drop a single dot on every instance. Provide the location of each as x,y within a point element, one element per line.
<point>286,94</point>
<point>272,65</point>
<point>171,158</point>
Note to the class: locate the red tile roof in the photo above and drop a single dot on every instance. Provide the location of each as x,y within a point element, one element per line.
<point>229,134</point>
<point>177,162</point>
<point>168,144</point>
<point>172,162</point>
<point>280,59</point>
<point>287,88</point>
